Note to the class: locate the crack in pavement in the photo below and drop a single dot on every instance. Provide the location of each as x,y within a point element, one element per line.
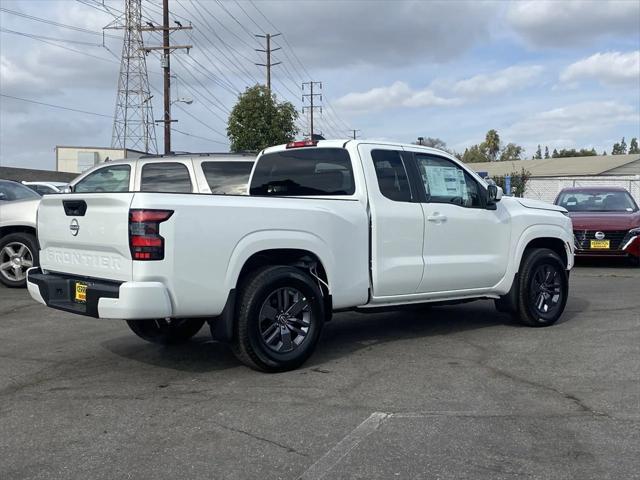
<point>262,439</point>
<point>483,362</point>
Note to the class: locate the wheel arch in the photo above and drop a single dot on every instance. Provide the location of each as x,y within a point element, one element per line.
<point>9,229</point>
<point>552,243</point>
<point>279,248</point>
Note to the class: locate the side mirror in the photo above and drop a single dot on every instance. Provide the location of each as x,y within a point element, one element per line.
<point>494,194</point>
<point>67,189</point>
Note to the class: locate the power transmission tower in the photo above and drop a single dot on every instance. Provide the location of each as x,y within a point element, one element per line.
<point>268,50</point>
<point>166,49</point>
<point>311,108</point>
<point>133,125</point>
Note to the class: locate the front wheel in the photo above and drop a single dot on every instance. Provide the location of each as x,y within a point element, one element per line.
<point>279,320</point>
<point>166,331</point>
<point>543,288</point>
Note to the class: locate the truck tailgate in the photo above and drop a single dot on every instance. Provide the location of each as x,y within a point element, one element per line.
<point>86,235</point>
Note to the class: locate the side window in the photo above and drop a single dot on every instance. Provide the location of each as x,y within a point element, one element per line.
<point>446,182</point>
<point>392,175</point>
<point>165,177</point>
<point>227,177</point>
<point>114,178</point>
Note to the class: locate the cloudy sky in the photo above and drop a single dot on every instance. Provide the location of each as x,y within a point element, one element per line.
<point>560,73</point>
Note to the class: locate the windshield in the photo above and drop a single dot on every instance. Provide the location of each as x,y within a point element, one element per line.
<point>11,191</point>
<point>594,201</point>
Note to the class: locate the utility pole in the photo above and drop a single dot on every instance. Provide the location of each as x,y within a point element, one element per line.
<point>268,50</point>
<point>167,49</point>
<point>355,134</point>
<point>311,108</point>
<point>133,126</point>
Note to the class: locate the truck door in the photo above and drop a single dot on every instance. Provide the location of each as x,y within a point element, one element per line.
<point>466,245</point>
<point>397,221</point>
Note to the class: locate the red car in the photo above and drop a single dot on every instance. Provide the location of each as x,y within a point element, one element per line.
<point>606,221</point>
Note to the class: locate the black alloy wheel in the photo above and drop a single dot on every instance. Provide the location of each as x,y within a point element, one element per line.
<point>166,331</point>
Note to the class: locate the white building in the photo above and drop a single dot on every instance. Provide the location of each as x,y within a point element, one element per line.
<point>79,159</point>
<point>550,175</point>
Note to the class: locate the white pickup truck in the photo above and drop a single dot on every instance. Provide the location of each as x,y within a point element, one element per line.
<point>328,226</point>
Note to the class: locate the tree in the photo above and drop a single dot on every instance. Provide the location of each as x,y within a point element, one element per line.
<point>475,154</point>
<point>633,146</point>
<point>619,148</point>
<point>572,152</point>
<point>554,154</point>
<point>258,120</point>
<point>604,153</point>
<point>492,144</point>
<point>518,182</point>
<point>511,152</point>
<point>546,152</point>
<point>538,154</point>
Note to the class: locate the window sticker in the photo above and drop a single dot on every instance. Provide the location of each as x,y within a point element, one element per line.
<point>446,182</point>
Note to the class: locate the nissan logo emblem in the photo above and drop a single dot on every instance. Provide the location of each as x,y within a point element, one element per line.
<point>74,227</point>
<point>599,235</point>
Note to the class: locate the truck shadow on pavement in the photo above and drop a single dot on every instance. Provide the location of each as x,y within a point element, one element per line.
<point>345,335</point>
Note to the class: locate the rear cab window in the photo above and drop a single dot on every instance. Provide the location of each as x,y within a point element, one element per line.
<point>304,172</point>
<point>227,178</point>
<point>165,177</point>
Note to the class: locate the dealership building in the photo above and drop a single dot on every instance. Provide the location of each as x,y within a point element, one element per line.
<point>79,159</point>
<point>550,175</point>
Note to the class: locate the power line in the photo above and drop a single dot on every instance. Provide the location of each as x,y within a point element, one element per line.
<point>57,24</point>
<point>42,37</point>
<point>67,48</point>
<point>56,106</point>
<point>198,136</point>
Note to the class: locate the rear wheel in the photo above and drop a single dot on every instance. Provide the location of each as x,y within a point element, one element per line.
<point>166,331</point>
<point>18,253</point>
<point>543,288</point>
<point>280,317</point>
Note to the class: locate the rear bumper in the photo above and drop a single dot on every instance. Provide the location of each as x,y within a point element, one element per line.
<point>105,299</point>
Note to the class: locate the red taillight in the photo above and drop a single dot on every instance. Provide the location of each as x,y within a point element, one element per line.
<point>145,241</point>
<point>302,143</point>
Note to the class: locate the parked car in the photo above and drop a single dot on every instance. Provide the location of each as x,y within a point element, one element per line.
<point>45,188</point>
<point>222,174</point>
<point>328,226</point>
<point>606,221</point>
<point>18,244</point>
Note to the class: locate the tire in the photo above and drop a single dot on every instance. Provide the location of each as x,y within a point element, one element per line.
<point>166,332</point>
<point>18,252</point>
<point>279,319</point>
<point>543,288</point>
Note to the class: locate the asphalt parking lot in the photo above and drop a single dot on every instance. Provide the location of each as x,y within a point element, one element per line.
<point>446,393</point>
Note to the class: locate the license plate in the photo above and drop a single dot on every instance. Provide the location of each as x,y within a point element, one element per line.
<point>600,244</point>
<point>81,292</point>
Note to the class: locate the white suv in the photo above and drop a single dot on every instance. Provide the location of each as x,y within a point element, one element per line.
<point>220,174</point>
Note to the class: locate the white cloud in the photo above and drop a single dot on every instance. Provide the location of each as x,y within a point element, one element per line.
<point>335,33</point>
<point>15,78</point>
<point>574,121</point>
<point>398,94</point>
<point>609,68</point>
<point>562,23</point>
<point>502,81</point>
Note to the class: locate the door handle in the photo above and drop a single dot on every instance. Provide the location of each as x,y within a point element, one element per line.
<point>437,218</point>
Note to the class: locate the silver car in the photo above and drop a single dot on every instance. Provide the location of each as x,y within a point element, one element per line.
<point>18,243</point>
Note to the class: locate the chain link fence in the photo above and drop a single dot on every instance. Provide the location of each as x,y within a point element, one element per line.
<point>546,189</point>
